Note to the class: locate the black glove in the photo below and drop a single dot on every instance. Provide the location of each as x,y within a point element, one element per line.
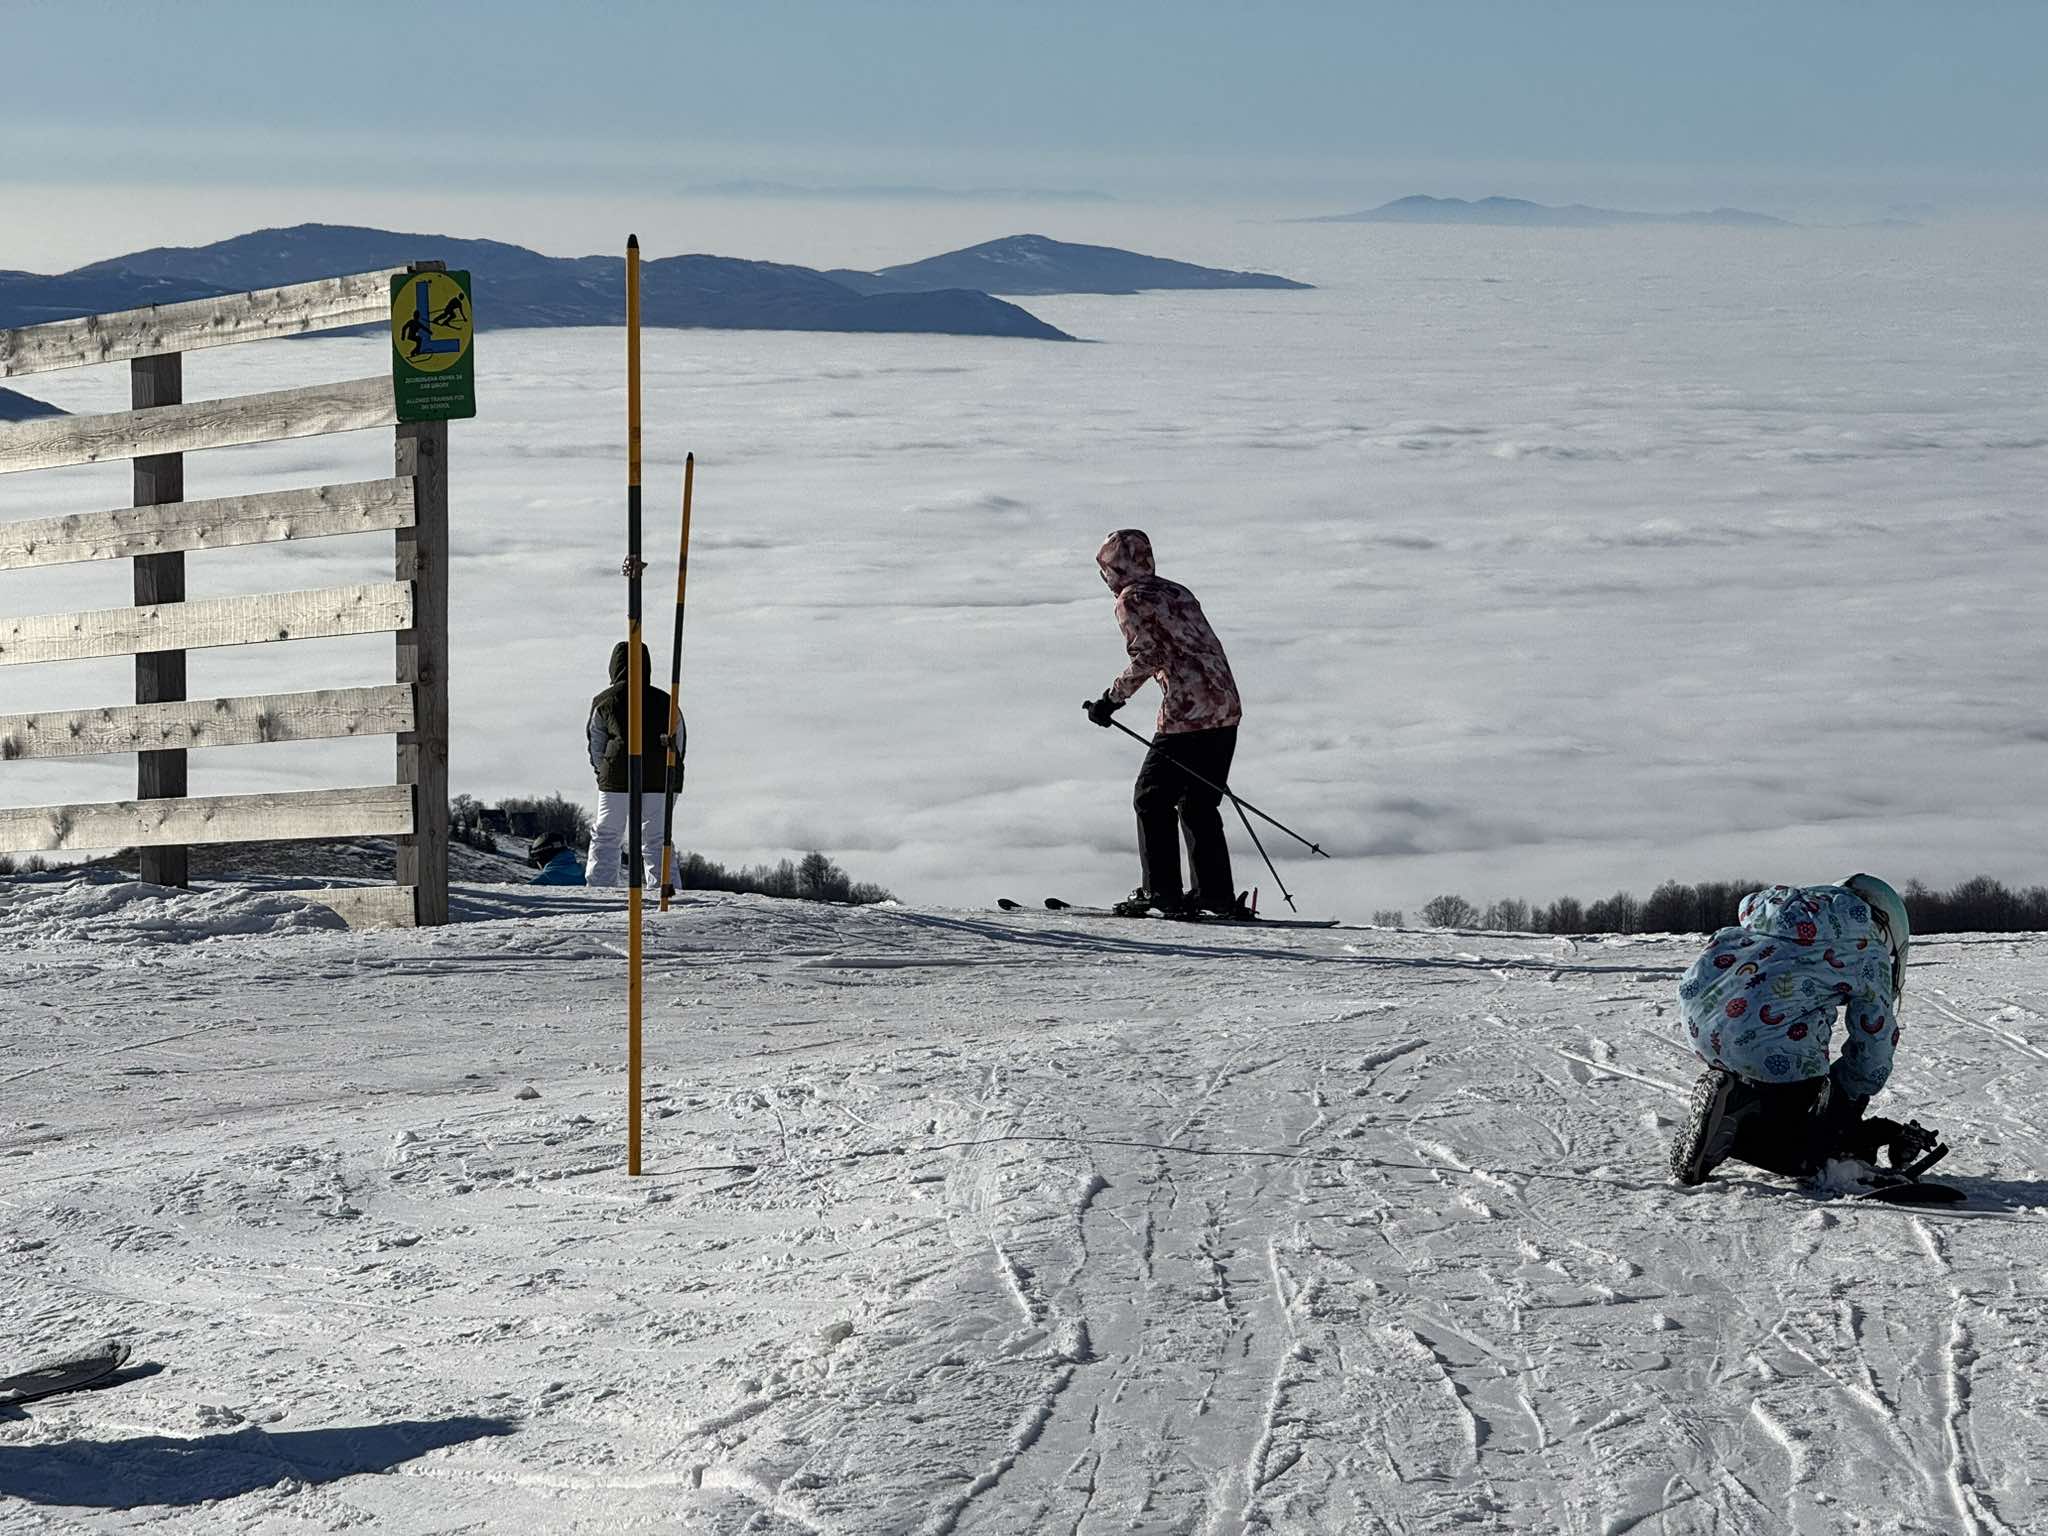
<point>1100,710</point>
<point>1867,1138</point>
<point>1902,1145</point>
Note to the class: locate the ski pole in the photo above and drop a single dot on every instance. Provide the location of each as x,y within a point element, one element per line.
<point>1242,804</point>
<point>1252,833</point>
<point>635,682</point>
<point>675,694</point>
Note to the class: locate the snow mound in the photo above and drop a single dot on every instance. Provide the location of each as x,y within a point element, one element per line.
<point>1845,1176</point>
<point>102,907</point>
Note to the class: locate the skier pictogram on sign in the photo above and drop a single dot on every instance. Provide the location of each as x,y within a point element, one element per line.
<point>433,375</point>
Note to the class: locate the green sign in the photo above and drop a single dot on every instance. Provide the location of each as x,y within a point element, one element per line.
<point>433,374</point>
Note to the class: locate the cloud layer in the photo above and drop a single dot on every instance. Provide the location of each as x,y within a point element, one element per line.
<point>1546,562</point>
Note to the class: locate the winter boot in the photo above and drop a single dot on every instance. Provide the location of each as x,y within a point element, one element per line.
<point>1916,1149</point>
<point>1910,1148</point>
<point>1141,903</point>
<point>1708,1135</point>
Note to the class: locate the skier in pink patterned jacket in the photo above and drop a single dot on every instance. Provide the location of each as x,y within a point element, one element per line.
<point>1169,640</point>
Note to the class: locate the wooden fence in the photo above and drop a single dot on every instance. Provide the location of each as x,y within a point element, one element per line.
<point>157,532</point>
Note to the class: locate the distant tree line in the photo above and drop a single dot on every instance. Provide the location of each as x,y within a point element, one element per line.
<point>1979,905</point>
<point>814,877</point>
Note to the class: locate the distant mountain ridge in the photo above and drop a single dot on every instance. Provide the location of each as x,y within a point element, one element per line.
<point>1034,264</point>
<point>517,287</point>
<point>1422,209</point>
<point>906,193</point>
<point>950,295</point>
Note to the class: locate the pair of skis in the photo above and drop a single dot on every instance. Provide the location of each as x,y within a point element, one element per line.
<point>675,696</point>
<point>635,684</point>
<point>1217,920</point>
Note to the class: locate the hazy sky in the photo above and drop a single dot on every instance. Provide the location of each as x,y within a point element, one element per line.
<point>1852,105</point>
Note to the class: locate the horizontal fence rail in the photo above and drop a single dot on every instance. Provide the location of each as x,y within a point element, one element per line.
<point>364,906</point>
<point>323,614</point>
<point>361,299</point>
<point>364,506</point>
<point>321,715</point>
<point>52,442</point>
<point>383,810</point>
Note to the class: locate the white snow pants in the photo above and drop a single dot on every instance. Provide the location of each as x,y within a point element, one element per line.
<point>603,864</point>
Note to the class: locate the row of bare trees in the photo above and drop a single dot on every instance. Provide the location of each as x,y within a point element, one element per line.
<point>814,877</point>
<point>1979,905</point>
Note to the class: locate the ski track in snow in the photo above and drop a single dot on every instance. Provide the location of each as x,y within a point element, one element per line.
<point>931,1239</point>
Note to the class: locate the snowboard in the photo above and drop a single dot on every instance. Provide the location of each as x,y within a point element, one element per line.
<point>1904,1186</point>
<point>1913,1192</point>
<point>1067,908</point>
<point>63,1373</point>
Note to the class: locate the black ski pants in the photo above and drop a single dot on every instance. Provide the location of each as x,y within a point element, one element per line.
<point>1171,803</point>
<point>1793,1128</point>
<point>1781,1127</point>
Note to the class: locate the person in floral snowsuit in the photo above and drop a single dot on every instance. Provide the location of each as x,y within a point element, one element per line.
<point>1759,1009</point>
<point>1168,640</point>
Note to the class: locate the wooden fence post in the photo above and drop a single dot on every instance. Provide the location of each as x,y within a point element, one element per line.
<point>423,663</point>
<point>422,453</point>
<point>157,530</point>
<point>160,675</point>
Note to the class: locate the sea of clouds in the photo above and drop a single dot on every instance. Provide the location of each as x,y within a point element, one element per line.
<point>1548,561</point>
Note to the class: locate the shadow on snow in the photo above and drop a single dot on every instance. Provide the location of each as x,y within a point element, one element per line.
<point>161,1469</point>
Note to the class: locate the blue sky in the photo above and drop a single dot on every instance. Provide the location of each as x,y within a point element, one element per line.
<point>1873,103</point>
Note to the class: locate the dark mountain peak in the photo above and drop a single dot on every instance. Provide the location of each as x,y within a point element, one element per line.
<point>1039,264</point>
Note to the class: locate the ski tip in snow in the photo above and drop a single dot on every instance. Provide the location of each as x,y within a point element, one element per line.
<point>1008,905</point>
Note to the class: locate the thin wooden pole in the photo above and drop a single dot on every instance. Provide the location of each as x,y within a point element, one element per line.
<point>159,675</point>
<point>675,694</point>
<point>635,684</point>
<point>420,450</point>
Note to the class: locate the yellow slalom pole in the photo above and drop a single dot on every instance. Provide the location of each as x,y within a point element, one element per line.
<point>636,682</point>
<point>675,692</point>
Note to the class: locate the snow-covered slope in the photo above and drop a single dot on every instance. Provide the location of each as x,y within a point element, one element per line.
<point>979,1223</point>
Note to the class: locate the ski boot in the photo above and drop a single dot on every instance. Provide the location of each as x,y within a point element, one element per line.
<point>1141,903</point>
<point>1915,1149</point>
<point>1907,1150</point>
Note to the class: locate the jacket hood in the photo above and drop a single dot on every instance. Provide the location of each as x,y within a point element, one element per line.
<point>1124,557</point>
<point>619,663</point>
<point>1779,912</point>
<point>1838,915</point>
